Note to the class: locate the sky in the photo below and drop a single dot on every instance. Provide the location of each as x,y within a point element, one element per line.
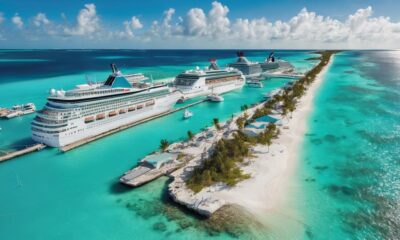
<point>177,24</point>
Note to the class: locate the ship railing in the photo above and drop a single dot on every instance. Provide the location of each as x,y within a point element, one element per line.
<point>43,120</point>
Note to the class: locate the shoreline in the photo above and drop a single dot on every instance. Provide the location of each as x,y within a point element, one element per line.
<point>272,170</point>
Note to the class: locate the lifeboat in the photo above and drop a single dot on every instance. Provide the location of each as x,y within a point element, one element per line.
<point>122,111</point>
<point>112,114</point>
<point>131,109</point>
<point>89,119</point>
<point>150,103</point>
<point>100,116</point>
<point>139,107</point>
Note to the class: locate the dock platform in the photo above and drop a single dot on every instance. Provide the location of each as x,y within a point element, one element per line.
<point>115,130</point>
<point>21,152</point>
<point>151,168</point>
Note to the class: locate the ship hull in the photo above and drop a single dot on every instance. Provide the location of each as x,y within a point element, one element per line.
<point>95,128</point>
<point>206,90</point>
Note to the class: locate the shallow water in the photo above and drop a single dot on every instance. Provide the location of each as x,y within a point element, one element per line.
<point>76,195</point>
<point>351,165</point>
<point>347,185</point>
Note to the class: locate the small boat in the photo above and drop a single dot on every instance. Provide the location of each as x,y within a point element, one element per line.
<point>4,112</point>
<point>187,114</point>
<point>215,98</point>
<point>19,110</point>
<point>254,83</point>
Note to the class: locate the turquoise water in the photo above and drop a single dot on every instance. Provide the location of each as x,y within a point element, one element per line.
<point>351,166</point>
<point>348,177</point>
<point>76,195</point>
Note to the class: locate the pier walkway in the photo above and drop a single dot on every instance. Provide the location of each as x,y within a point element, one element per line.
<point>21,152</point>
<point>115,130</point>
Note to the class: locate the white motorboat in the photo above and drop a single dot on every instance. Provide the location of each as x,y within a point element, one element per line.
<point>254,83</point>
<point>187,114</point>
<point>19,110</point>
<point>215,98</point>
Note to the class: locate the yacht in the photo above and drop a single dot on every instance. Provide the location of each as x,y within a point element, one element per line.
<point>197,82</point>
<point>19,110</point>
<point>254,83</point>
<point>4,112</point>
<point>248,68</point>
<point>187,114</point>
<point>215,98</point>
<point>272,65</point>
<point>87,111</point>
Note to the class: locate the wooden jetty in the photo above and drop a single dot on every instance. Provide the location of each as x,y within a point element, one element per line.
<point>21,152</point>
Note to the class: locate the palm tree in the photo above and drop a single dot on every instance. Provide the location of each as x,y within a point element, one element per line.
<point>216,124</point>
<point>164,144</point>
<point>190,135</point>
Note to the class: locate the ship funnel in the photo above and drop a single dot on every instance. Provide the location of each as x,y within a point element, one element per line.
<point>114,68</point>
<point>213,64</point>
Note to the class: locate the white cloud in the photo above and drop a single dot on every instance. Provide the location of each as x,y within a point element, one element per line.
<point>87,22</point>
<point>218,22</point>
<point>131,25</point>
<point>306,29</point>
<point>204,28</point>
<point>40,19</point>
<point>17,20</point>
<point>196,22</point>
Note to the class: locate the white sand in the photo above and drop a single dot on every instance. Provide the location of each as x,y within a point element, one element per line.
<point>272,171</point>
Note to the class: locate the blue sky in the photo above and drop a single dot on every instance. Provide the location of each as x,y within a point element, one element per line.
<point>199,24</point>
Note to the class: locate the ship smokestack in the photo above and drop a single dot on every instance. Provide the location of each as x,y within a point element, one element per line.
<point>114,68</point>
<point>213,64</point>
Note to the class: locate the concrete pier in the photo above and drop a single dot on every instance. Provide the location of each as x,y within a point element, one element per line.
<point>21,152</point>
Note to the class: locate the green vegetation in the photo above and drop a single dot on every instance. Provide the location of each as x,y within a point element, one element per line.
<point>241,121</point>
<point>190,135</point>
<point>244,107</point>
<point>221,166</point>
<point>216,124</point>
<point>288,98</point>
<point>164,144</point>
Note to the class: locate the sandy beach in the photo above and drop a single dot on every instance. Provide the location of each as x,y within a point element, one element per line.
<point>267,192</point>
<point>271,189</point>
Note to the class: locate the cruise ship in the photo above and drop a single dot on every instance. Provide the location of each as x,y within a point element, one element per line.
<point>197,82</point>
<point>271,65</point>
<point>92,109</point>
<point>249,69</point>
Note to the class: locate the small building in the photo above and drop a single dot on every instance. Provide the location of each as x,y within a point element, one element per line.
<point>259,125</point>
<point>158,160</point>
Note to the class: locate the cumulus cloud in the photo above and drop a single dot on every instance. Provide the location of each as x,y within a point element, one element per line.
<point>87,22</point>
<point>40,20</point>
<point>17,20</point>
<point>214,28</point>
<point>130,26</point>
<point>305,27</point>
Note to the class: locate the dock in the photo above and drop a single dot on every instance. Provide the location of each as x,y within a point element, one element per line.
<point>21,152</point>
<point>123,127</point>
<point>151,168</point>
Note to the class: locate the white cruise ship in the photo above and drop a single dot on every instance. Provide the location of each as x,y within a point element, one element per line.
<point>90,110</point>
<point>249,69</point>
<point>193,83</point>
<point>272,65</point>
